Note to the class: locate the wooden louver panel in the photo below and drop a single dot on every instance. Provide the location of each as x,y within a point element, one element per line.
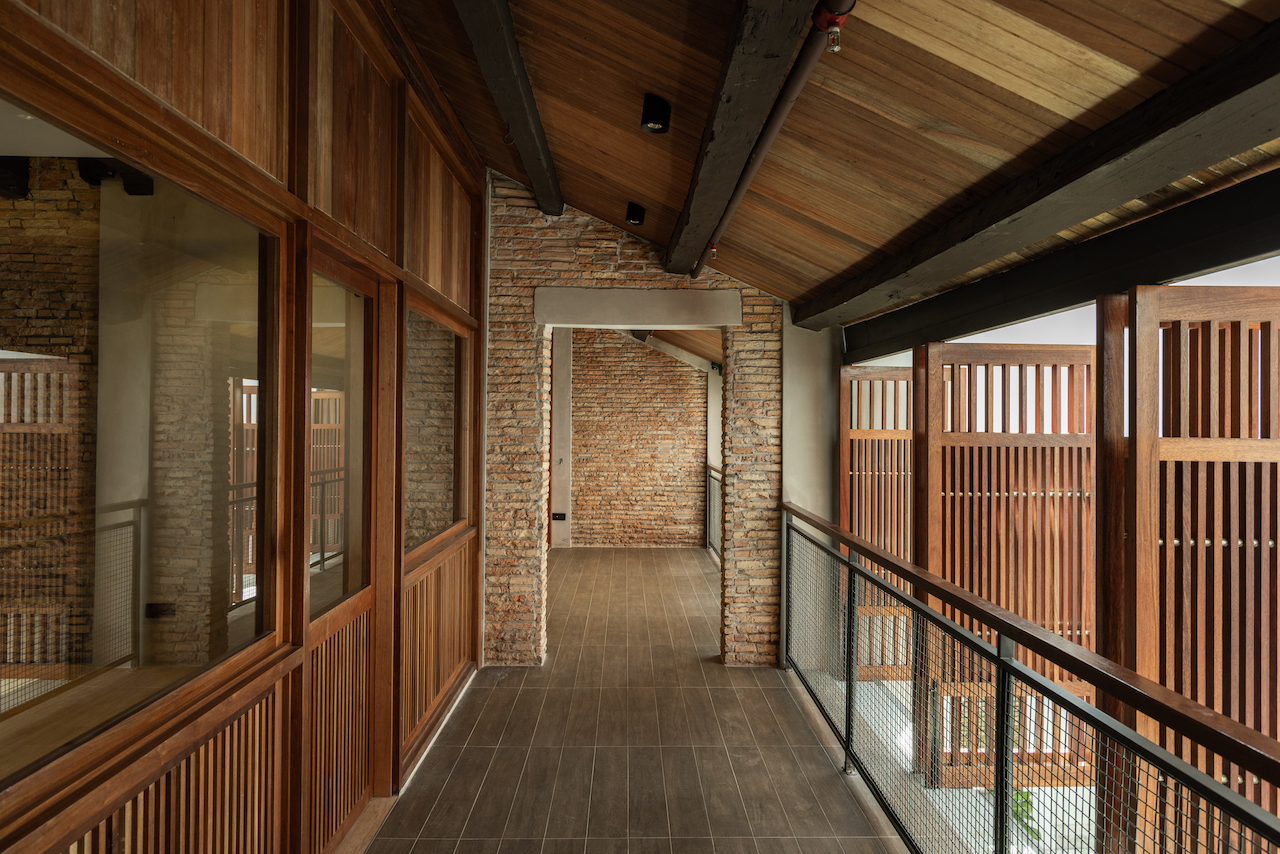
<point>221,797</point>
<point>437,635</point>
<point>1205,450</point>
<point>1007,510</point>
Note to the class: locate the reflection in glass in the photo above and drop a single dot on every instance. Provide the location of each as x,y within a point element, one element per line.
<point>128,466</point>
<point>429,404</point>
<point>337,491</point>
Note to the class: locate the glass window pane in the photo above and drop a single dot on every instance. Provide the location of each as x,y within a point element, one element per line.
<point>429,410</point>
<point>337,486</point>
<point>129,551</point>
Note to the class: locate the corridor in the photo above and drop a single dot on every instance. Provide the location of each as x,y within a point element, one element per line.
<point>632,737</point>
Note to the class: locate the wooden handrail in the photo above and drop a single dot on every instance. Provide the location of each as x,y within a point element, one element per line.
<point>714,469</point>
<point>1230,739</point>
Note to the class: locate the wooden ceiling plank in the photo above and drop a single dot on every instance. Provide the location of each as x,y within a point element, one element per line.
<point>1230,227</point>
<point>994,56</point>
<point>1229,106</point>
<point>901,60</point>
<point>1161,17</point>
<point>493,38</point>
<point>1071,23</point>
<point>756,61</point>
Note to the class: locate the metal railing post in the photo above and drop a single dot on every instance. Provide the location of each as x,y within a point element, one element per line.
<point>850,669</point>
<point>1004,749</point>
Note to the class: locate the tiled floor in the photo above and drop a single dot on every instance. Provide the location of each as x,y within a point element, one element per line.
<point>632,738</point>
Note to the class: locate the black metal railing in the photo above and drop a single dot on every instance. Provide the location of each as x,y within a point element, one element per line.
<point>968,750</point>
<point>715,509</point>
<point>328,517</point>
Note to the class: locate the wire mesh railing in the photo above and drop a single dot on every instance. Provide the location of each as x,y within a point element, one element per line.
<point>970,751</point>
<point>715,509</point>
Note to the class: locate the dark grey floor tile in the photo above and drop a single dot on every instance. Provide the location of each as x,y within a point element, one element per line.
<point>764,725</point>
<point>390,846</point>
<point>520,846</point>
<point>795,725</point>
<point>591,667</point>
<point>608,815</point>
<point>611,729</point>
<point>553,717</point>
<point>564,846</point>
<point>493,720</point>
<point>735,845</point>
<point>714,672</point>
<point>691,846</point>
<point>686,809</point>
<point>798,800</point>
<point>597,629</point>
<point>863,845</point>
<point>572,799</point>
<point>818,845</point>
<point>523,720</point>
<point>493,802</point>
<point>778,845</point>
<point>615,633</point>
<point>646,793</point>
<point>606,846</point>
<point>414,805</point>
<point>435,846</point>
<point>831,789</point>
<point>499,677</point>
<point>725,810</point>
<point>540,677</point>
<point>764,809</point>
<point>742,677</point>
<point>584,714</point>
<point>651,845</point>
<point>477,846</point>
<point>665,671</point>
<point>639,666</point>
<point>462,720</point>
<point>532,805</point>
<point>564,674</point>
<point>614,673</point>
<point>729,714</point>
<point>449,815</point>
<point>673,723</point>
<point>704,726</point>
<point>768,677</point>
<point>642,717</point>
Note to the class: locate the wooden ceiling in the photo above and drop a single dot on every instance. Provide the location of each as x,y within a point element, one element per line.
<point>930,108</point>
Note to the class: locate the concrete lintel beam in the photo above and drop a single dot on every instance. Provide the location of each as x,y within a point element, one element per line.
<point>636,308</point>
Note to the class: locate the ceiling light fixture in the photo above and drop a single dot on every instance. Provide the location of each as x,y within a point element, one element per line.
<point>656,115</point>
<point>635,214</point>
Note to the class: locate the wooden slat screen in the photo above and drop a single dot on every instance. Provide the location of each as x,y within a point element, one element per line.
<point>341,771</point>
<point>1009,454</point>
<point>221,797</point>
<point>437,634</point>
<point>1205,438</point>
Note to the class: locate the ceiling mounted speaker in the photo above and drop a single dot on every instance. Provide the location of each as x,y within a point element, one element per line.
<point>635,214</point>
<point>656,116</point>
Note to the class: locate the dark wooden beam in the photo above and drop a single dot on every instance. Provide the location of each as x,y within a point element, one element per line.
<point>1230,227</point>
<point>756,61</point>
<point>493,38</point>
<point>1229,106</point>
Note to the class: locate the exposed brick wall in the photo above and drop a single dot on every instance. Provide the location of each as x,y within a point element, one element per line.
<point>639,444</point>
<point>752,466</point>
<point>529,250</point>
<point>429,390</point>
<point>49,305</point>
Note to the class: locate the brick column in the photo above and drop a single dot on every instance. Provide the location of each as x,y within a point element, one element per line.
<point>752,446</point>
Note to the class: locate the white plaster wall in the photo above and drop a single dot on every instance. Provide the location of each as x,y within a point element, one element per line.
<point>715,400</point>
<point>810,374</point>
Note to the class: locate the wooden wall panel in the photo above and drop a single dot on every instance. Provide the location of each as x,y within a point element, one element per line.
<point>437,216</point>
<point>354,123</point>
<point>340,743</point>
<point>437,634</point>
<point>221,63</point>
<point>223,796</point>
<point>1205,388</point>
<point>877,490</point>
